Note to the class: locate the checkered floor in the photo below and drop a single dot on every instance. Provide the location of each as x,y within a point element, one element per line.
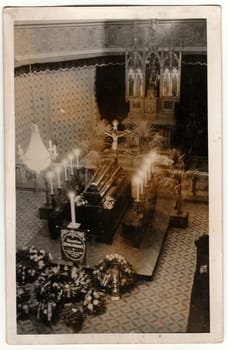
<point>157,306</point>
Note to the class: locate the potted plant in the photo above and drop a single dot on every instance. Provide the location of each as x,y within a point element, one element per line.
<point>97,143</point>
<point>172,178</point>
<point>139,132</point>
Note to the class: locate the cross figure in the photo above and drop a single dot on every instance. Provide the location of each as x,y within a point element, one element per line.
<point>115,135</point>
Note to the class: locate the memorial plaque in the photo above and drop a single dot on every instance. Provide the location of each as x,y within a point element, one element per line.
<point>73,244</point>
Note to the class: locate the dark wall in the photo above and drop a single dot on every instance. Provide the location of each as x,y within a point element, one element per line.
<point>110,92</point>
<point>191,114</point>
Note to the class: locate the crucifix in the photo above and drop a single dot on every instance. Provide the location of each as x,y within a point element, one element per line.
<point>115,135</point>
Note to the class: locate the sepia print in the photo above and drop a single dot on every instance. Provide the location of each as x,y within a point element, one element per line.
<point>109,142</point>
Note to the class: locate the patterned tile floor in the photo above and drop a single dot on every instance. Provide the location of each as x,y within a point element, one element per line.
<point>27,218</point>
<point>157,306</point>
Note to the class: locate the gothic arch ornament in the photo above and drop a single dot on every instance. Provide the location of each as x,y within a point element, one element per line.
<point>170,74</point>
<point>152,70</point>
<point>135,74</point>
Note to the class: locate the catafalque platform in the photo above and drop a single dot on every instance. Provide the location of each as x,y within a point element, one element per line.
<point>143,257</point>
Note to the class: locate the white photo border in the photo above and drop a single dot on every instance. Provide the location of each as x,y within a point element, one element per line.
<point>213,16</point>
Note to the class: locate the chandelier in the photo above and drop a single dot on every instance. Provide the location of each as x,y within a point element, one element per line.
<point>37,157</point>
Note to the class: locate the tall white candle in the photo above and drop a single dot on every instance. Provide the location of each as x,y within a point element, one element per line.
<point>77,161</point>
<point>152,162</point>
<point>54,151</point>
<point>70,157</point>
<point>135,185</point>
<point>147,167</point>
<point>72,207</point>
<point>50,145</point>
<point>137,190</point>
<point>152,168</point>
<point>148,173</point>
<point>65,169</point>
<point>77,152</point>
<point>145,175</point>
<point>58,170</point>
<point>50,176</point>
<point>141,181</point>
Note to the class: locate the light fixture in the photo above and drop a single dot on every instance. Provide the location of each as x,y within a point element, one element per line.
<point>37,157</point>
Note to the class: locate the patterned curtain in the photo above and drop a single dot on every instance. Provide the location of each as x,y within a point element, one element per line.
<point>62,102</point>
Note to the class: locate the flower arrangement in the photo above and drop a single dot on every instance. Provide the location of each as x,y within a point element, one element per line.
<point>108,202</point>
<point>172,173</point>
<point>105,273</point>
<point>23,302</point>
<point>44,287</point>
<point>63,290</point>
<point>94,302</point>
<point>47,311</point>
<point>98,142</point>
<point>49,293</point>
<point>78,284</point>
<point>73,316</point>
<point>59,285</point>
<point>29,262</point>
<point>80,201</point>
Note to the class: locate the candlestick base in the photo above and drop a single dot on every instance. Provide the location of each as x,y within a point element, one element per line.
<point>52,200</point>
<point>59,191</point>
<point>74,225</point>
<point>47,199</point>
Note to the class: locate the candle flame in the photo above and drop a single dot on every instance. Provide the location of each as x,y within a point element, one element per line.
<point>71,195</point>
<point>49,174</point>
<point>77,151</point>
<point>70,156</point>
<point>64,162</point>
<point>58,169</point>
<point>136,180</point>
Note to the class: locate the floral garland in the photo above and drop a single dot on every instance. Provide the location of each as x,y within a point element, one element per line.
<point>59,285</point>
<point>30,262</point>
<point>80,201</point>
<point>72,292</point>
<point>44,287</point>
<point>114,272</point>
<point>94,302</point>
<point>23,302</point>
<point>108,202</point>
<point>73,316</point>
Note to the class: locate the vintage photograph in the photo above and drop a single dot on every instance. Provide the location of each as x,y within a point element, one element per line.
<point>111,147</point>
